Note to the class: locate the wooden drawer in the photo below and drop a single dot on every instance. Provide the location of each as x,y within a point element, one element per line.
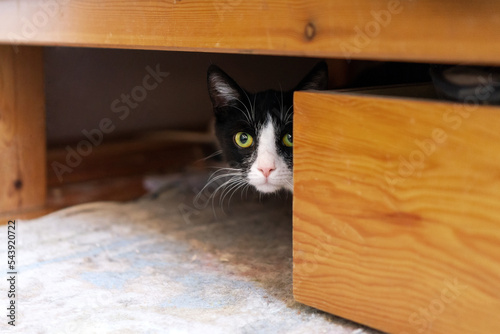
<point>397,211</point>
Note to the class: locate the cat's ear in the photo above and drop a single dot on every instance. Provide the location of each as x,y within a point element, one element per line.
<point>317,79</point>
<point>223,90</point>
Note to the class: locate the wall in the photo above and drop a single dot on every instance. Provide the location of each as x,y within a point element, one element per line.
<point>85,85</point>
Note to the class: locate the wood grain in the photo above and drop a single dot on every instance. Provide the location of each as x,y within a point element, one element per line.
<point>152,152</point>
<point>424,30</point>
<point>397,212</point>
<point>22,129</point>
<point>115,171</point>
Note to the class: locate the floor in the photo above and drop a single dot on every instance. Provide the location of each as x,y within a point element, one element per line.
<point>169,262</point>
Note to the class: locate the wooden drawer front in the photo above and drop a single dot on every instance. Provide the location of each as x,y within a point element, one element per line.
<point>397,212</point>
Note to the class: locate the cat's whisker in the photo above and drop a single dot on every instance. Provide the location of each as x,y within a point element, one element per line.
<point>220,169</point>
<point>245,190</point>
<point>288,115</point>
<point>217,176</point>
<point>281,103</point>
<point>245,112</point>
<point>211,180</point>
<point>225,183</point>
<point>229,172</point>
<point>223,173</point>
<point>225,190</point>
<point>231,190</point>
<point>222,186</point>
<point>252,109</point>
<point>216,153</point>
<point>244,105</point>
<point>240,185</point>
<point>253,106</point>
<point>230,187</point>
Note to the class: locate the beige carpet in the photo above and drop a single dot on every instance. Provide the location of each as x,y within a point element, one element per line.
<point>163,264</point>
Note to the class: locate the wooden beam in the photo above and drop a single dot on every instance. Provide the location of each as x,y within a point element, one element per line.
<point>424,30</point>
<point>396,211</point>
<point>23,176</point>
<point>156,152</point>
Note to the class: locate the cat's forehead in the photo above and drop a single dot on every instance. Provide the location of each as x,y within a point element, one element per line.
<point>272,98</point>
<point>274,104</point>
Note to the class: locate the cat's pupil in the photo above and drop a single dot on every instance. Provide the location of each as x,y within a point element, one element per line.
<point>288,140</point>
<point>243,138</point>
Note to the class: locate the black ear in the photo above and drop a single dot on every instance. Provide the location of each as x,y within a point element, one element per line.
<point>317,79</point>
<point>223,90</point>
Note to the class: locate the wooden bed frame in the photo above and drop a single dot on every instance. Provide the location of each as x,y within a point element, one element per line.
<point>418,254</point>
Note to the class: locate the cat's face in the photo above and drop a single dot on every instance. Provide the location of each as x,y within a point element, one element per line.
<point>255,131</point>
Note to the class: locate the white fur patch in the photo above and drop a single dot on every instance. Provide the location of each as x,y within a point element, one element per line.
<point>224,90</point>
<point>268,159</point>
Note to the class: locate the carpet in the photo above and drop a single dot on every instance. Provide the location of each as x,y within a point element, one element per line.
<point>170,262</point>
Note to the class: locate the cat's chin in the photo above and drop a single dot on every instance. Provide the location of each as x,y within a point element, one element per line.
<point>267,189</point>
<point>270,188</point>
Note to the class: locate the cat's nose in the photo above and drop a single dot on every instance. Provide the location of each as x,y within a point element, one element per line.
<point>266,171</point>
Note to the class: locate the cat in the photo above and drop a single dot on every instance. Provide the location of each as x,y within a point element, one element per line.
<point>255,131</point>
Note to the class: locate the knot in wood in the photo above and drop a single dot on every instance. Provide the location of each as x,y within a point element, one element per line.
<point>310,31</point>
<point>18,184</point>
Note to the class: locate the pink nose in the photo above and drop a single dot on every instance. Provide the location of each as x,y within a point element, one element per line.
<point>266,170</point>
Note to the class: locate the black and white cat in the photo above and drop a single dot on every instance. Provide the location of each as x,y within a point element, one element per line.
<point>255,131</point>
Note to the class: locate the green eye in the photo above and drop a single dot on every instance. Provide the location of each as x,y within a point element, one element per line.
<point>288,140</point>
<point>243,139</point>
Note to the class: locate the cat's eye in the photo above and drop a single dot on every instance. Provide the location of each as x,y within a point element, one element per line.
<point>243,139</point>
<point>288,140</point>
